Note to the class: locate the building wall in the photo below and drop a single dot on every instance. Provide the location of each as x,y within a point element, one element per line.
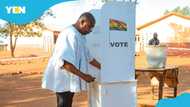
<point>173,30</point>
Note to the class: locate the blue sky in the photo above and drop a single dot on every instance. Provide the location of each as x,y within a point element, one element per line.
<point>148,10</point>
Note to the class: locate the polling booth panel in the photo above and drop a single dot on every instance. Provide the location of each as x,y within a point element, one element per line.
<point>112,43</point>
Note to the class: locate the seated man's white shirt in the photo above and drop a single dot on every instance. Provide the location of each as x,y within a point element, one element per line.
<point>70,46</point>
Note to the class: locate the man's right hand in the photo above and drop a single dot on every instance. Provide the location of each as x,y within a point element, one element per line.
<point>88,78</point>
<point>71,68</point>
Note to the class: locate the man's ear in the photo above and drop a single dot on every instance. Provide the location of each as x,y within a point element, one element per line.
<point>82,22</point>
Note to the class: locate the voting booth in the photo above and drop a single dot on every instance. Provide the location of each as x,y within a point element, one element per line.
<point>112,43</point>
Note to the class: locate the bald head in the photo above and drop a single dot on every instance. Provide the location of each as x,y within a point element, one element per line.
<point>89,17</point>
<point>85,23</point>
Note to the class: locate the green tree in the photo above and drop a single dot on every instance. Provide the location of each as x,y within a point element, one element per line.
<point>177,10</point>
<point>166,11</point>
<point>26,30</point>
<point>184,11</point>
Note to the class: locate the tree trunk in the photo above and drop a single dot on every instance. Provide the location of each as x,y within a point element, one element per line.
<point>12,44</point>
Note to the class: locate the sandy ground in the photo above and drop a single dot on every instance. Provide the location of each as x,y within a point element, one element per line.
<point>20,81</point>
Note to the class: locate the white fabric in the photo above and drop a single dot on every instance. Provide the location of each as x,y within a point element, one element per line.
<point>70,46</point>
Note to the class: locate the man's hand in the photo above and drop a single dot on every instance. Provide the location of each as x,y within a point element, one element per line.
<point>71,68</point>
<point>96,64</point>
<point>88,78</point>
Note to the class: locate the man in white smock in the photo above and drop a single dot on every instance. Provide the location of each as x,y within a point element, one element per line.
<point>67,69</point>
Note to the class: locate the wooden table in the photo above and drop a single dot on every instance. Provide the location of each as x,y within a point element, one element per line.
<point>162,73</point>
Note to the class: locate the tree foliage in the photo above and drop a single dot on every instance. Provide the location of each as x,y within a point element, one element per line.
<point>13,31</point>
<point>26,30</point>
<point>182,10</point>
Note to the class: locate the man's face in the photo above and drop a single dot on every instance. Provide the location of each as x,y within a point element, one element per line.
<point>155,36</point>
<point>86,27</point>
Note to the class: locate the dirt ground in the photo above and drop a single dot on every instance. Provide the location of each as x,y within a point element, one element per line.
<point>21,80</point>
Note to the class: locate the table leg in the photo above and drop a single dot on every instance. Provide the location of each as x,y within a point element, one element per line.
<point>176,76</point>
<point>160,91</point>
<point>175,91</point>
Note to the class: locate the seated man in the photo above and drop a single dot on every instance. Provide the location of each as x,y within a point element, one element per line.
<point>154,40</point>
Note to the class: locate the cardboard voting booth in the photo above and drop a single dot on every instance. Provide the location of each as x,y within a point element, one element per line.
<point>112,42</point>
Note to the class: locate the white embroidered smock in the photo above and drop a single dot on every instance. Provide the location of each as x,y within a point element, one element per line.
<point>70,46</point>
